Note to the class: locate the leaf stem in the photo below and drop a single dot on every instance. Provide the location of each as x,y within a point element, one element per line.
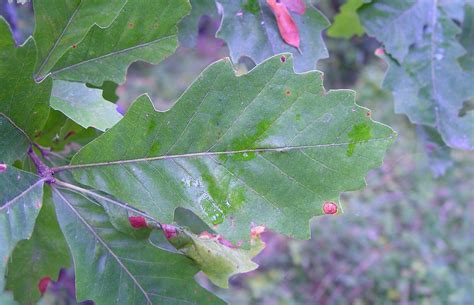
<point>43,170</point>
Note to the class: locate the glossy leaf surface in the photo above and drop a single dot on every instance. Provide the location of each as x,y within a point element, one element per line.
<point>84,105</point>
<point>264,148</point>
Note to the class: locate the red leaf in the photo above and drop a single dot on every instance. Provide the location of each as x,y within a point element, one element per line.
<point>137,222</point>
<point>297,6</point>
<point>286,25</point>
<point>43,284</point>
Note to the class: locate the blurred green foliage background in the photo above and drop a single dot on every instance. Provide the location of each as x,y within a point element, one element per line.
<point>408,238</point>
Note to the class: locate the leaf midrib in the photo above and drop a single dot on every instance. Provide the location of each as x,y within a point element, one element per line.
<point>434,19</point>
<point>10,202</point>
<point>105,245</point>
<point>217,153</point>
<point>56,42</point>
<point>113,53</point>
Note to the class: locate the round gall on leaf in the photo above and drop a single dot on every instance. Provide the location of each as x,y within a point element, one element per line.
<point>329,207</point>
<point>379,52</point>
<point>137,222</point>
<point>43,284</point>
<point>169,230</point>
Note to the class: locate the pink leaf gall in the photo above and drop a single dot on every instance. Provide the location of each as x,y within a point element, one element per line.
<point>137,222</point>
<point>329,208</point>
<point>43,284</point>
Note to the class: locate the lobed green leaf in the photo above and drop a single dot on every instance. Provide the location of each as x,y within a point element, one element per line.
<point>20,202</point>
<point>144,30</point>
<point>114,268</point>
<point>43,255</point>
<point>266,148</point>
<point>250,29</point>
<point>62,24</point>
<point>22,100</point>
<point>84,105</point>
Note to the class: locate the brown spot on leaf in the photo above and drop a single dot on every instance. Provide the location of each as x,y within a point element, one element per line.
<point>283,58</point>
<point>368,114</point>
<point>131,25</point>
<point>69,134</point>
<point>74,46</point>
<point>287,92</point>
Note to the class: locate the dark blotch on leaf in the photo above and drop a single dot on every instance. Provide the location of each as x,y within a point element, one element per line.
<point>359,133</point>
<point>283,59</point>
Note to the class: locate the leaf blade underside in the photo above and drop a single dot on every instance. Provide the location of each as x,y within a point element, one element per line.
<point>63,24</point>
<point>22,100</point>
<point>144,30</point>
<point>265,148</point>
<point>258,25</point>
<point>84,105</point>
<point>20,202</point>
<point>43,255</point>
<point>426,78</point>
<point>129,270</point>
